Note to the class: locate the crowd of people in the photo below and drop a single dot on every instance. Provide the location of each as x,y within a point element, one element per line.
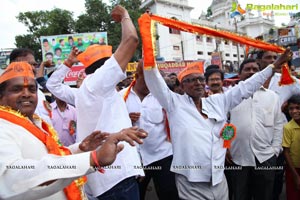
<point>108,137</point>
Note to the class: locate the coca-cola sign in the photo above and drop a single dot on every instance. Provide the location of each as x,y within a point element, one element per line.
<point>72,75</point>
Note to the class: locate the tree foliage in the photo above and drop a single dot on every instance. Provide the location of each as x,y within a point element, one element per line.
<point>43,23</point>
<point>58,21</point>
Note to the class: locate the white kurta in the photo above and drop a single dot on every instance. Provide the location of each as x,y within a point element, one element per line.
<point>100,107</point>
<point>198,151</point>
<point>25,164</point>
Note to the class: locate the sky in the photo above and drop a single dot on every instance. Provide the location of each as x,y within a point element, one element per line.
<point>10,27</point>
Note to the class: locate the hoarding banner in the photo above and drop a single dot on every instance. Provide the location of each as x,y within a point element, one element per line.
<point>57,48</point>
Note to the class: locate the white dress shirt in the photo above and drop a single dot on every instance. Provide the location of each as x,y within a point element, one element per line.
<point>198,151</point>
<point>284,91</point>
<point>100,107</point>
<point>155,146</point>
<point>25,164</point>
<point>259,122</point>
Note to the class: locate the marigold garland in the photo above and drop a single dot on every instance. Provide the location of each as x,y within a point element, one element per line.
<point>74,191</point>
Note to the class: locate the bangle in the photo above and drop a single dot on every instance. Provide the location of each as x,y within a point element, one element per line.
<point>125,18</point>
<point>68,63</point>
<point>94,157</point>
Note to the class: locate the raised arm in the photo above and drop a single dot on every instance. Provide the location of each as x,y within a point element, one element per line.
<point>57,88</point>
<point>159,88</point>
<point>129,41</point>
<point>246,88</point>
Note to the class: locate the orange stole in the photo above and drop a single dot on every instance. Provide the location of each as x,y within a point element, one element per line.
<point>52,143</point>
<point>147,31</point>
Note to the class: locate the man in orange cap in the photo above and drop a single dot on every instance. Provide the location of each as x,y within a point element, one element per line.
<point>43,108</point>
<point>199,132</point>
<point>34,164</point>
<point>100,107</point>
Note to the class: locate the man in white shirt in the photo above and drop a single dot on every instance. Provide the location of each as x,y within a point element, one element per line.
<point>284,92</point>
<point>259,123</point>
<point>33,163</point>
<point>196,123</point>
<point>43,108</point>
<point>100,107</point>
<point>156,151</point>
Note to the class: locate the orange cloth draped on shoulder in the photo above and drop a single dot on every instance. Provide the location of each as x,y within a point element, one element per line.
<point>74,191</point>
<point>146,24</point>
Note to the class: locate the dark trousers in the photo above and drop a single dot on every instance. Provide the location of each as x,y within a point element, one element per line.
<point>127,189</point>
<point>254,182</point>
<point>163,178</point>
<point>278,183</point>
<point>291,192</point>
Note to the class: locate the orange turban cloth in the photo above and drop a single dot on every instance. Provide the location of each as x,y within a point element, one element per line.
<point>17,69</point>
<point>93,53</point>
<point>195,67</point>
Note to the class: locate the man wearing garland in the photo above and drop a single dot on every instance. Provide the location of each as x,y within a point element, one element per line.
<point>33,163</point>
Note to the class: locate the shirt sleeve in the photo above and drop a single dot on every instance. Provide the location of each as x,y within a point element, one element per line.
<point>296,87</point>
<point>245,89</point>
<point>104,80</point>
<point>158,88</point>
<point>57,88</point>
<point>287,137</point>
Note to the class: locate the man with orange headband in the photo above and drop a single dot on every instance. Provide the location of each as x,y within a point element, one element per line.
<point>43,108</point>
<point>199,132</point>
<point>33,163</point>
<point>100,107</point>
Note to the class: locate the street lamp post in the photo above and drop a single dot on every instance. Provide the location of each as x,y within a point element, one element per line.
<point>238,44</point>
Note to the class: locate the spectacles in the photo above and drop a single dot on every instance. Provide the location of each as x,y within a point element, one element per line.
<point>192,80</point>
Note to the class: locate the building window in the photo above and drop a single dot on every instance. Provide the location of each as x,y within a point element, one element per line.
<point>199,38</point>
<point>226,42</point>
<point>176,48</point>
<point>209,53</point>
<point>242,56</point>
<point>200,52</point>
<point>227,54</point>
<point>234,55</point>
<point>209,40</point>
<point>172,30</point>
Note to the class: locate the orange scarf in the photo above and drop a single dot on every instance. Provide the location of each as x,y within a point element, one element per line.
<point>54,146</point>
<point>167,127</point>
<point>148,30</point>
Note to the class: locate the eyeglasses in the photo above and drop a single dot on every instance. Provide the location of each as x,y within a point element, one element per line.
<point>193,80</point>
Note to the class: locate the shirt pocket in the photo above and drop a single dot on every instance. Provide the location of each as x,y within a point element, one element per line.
<point>154,115</point>
<point>267,117</point>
